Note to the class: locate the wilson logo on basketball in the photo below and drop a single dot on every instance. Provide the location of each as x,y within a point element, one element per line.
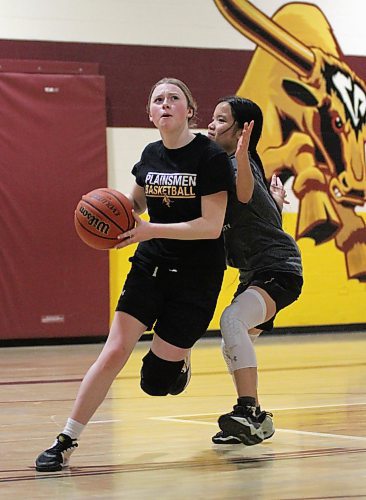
<point>107,203</point>
<point>101,216</point>
<point>92,220</point>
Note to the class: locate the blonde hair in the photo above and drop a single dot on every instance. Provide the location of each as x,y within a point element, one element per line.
<point>191,103</point>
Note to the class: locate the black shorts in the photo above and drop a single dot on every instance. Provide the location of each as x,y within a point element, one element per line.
<point>178,304</point>
<point>284,288</point>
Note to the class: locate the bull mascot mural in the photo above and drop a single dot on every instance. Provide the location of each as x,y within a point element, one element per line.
<point>315,126</point>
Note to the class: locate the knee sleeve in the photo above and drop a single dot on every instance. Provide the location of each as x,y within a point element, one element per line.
<point>158,375</point>
<point>225,351</point>
<point>226,356</point>
<point>245,312</point>
<point>253,337</point>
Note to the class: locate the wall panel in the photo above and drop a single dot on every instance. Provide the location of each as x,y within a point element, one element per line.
<point>53,150</point>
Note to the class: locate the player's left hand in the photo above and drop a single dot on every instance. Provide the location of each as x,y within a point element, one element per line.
<point>141,232</point>
<point>278,192</point>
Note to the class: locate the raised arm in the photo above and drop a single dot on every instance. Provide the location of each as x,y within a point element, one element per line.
<point>244,178</point>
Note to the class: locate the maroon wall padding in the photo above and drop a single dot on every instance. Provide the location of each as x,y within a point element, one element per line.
<point>130,70</point>
<point>52,150</point>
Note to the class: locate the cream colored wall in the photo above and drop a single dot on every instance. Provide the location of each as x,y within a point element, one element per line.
<point>182,23</point>
<point>124,146</point>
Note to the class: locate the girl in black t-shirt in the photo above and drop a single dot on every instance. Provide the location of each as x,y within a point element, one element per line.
<point>177,269</point>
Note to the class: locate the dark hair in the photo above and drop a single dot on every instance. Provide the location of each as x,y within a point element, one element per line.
<point>191,103</point>
<point>245,110</point>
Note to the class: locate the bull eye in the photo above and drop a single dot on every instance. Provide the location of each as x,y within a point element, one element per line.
<point>337,124</point>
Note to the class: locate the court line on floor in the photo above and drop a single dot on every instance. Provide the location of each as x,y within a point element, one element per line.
<point>178,418</point>
<point>288,431</point>
<point>293,408</point>
<point>322,434</point>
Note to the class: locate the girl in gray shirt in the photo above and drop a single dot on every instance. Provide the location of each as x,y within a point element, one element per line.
<point>268,260</point>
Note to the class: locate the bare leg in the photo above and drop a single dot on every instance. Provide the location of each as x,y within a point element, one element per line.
<point>246,382</point>
<point>167,351</point>
<point>124,333</point>
<point>254,334</point>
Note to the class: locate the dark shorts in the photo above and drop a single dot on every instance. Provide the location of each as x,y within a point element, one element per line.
<point>178,304</point>
<point>283,288</point>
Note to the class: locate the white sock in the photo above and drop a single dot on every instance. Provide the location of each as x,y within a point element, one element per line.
<point>73,428</point>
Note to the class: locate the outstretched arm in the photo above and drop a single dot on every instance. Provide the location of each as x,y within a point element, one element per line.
<point>244,178</point>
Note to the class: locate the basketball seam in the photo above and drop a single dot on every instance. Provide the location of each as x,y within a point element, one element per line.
<point>131,220</point>
<point>105,215</point>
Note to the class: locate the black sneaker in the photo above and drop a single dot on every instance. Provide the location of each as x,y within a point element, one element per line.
<point>265,418</point>
<point>56,457</point>
<point>222,438</point>
<point>243,424</point>
<point>183,379</point>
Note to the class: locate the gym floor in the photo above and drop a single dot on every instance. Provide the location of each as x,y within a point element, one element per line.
<point>139,447</point>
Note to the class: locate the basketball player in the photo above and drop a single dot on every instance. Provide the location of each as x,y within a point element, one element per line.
<point>268,260</point>
<point>177,270</point>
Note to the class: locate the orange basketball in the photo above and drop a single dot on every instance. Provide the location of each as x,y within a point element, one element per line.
<point>101,216</point>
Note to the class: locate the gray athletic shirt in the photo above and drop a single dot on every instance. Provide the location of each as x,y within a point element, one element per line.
<point>254,238</point>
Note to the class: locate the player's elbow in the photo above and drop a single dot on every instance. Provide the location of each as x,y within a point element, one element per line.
<point>216,234</point>
<point>244,195</point>
<point>244,199</point>
<point>215,231</point>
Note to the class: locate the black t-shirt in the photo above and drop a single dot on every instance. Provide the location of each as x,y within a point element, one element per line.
<point>174,181</point>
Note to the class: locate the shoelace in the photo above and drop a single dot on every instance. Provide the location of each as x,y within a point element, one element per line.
<point>60,446</point>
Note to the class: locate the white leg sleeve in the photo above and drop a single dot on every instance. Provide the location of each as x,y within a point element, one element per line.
<point>245,312</point>
<point>225,352</point>
<point>253,337</point>
<point>225,355</point>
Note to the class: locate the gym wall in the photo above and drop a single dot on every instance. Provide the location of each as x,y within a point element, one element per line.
<point>137,43</point>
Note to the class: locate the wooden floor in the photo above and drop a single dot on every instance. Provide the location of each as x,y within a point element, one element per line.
<point>138,447</point>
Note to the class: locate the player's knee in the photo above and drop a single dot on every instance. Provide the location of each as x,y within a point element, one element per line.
<point>158,375</point>
<point>238,349</point>
<point>231,326</point>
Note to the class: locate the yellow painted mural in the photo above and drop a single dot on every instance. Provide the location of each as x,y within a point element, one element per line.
<point>328,297</point>
<point>314,131</point>
<point>314,135</point>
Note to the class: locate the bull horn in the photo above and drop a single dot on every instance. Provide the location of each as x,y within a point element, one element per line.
<point>270,36</point>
